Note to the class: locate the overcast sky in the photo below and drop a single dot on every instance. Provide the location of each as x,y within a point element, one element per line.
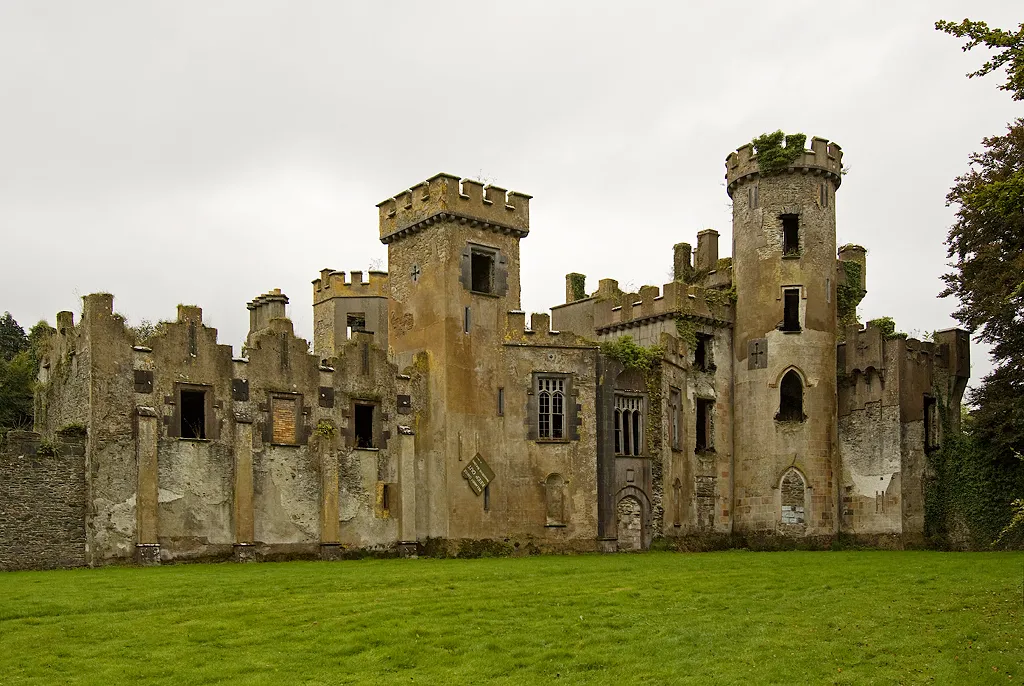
<point>206,152</point>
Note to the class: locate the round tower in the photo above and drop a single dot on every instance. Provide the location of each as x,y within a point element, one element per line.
<point>784,270</point>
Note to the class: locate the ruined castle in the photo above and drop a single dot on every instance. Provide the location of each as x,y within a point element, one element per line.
<point>430,416</point>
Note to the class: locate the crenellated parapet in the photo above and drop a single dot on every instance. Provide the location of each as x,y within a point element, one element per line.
<point>332,284</point>
<point>539,332</point>
<point>674,299</point>
<point>444,197</point>
<point>823,158</point>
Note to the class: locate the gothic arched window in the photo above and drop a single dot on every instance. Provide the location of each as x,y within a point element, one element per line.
<point>791,398</point>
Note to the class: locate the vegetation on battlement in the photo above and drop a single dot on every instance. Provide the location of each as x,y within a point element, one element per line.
<point>776,151</point>
<point>887,325</point>
<point>631,355</point>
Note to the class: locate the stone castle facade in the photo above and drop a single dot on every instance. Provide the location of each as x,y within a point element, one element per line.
<point>431,417</point>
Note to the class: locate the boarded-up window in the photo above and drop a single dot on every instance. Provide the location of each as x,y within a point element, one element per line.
<point>284,420</point>
<point>554,498</point>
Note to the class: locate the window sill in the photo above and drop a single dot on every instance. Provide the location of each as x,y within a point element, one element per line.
<point>705,452</point>
<point>551,440</point>
<point>554,526</point>
<point>791,330</point>
<point>193,440</point>
<point>792,256</point>
<point>631,457</point>
<point>370,450</point>
<point>286,445</point>
<point>484,293</point>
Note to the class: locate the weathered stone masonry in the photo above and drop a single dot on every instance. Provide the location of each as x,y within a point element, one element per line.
<point>433,415</point>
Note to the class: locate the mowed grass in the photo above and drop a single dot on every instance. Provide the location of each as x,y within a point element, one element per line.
<point>732,617</point>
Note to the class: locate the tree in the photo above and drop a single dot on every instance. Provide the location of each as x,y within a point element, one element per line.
<point>12,337</point>
<point>19,363</point>
<point>986,244</point>
<point>1009,46</point>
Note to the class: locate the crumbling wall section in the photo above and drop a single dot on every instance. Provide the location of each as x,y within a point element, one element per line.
<point>42,502</point>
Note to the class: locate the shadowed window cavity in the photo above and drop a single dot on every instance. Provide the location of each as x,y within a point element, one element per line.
<point>790,234</point>
<point>482,265</point>
<point>791,398</point>
<point>364,426</point>
<point>791,309</point>
<point>193,414</point>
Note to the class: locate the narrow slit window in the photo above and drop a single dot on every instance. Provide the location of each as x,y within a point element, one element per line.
<point>931,424</point>
<point>501,402</point>
<point>193,414</point>
<point>618,432</point>
<point>824,195</point>
<point>791,309</point>
<point>465,321</point>
<point>482,266</point>
<point>675,401</point>
<point>790,234</point>
<point>385,498</point>
<point>703,438</point>
<point>487,498</point>
<point>363,417</point>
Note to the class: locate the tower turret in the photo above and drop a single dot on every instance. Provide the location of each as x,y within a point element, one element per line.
<point>784,269</point>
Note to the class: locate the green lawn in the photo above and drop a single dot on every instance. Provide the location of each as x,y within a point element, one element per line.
<point>733,617</point>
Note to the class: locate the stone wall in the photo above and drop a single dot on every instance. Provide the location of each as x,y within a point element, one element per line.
<point>42,502</point>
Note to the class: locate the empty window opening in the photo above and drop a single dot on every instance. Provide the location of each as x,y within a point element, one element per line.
<point>791,398</point>
<point>629,425</point>
<point>791,309</point>
<point>703,440</point>
<point>355,321</point>
<point>675,401</point>
<point>793,490</point>
<point>790,234</point>
<point>482,266</point>
<point>465,321</point>
<point>931,423</point>
<point>501,402</point>
<point>551,407</point>
<point>702,353</point>
<point>385,498</point>
<point>364,426</point>
<point>283,416</point>
<point>193,414</point>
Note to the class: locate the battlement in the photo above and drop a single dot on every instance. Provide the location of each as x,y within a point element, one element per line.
<point>332,284</point>
<point>444,196</point>
<point>823,158</point>
<point>540,332</point>
<point>672,300</point>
